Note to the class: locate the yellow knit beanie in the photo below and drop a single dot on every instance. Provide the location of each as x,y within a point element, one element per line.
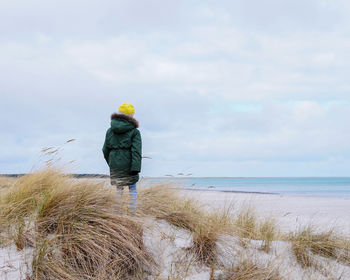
<point>127,109</point>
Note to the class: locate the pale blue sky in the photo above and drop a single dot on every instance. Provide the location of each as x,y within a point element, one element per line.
<point>221,88</point>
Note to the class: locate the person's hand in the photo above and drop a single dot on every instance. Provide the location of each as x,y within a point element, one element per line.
<point>133,173</point>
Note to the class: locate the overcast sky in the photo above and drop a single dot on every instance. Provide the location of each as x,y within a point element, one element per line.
<point>221,88</point>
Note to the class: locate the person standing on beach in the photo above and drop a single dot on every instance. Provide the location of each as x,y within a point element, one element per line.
<point>122,151</point>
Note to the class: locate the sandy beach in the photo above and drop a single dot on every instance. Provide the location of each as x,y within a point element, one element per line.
<point>290,212</point>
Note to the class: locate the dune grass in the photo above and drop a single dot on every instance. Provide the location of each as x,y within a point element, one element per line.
<point>103,248</point>
<point>249,226</point>
<point>28,192</point>
<point>79,231</point>
<point>309,242</point>
<point>6,182</point>
<point>167,204</point>
<point>246,269</point>
<point>74,229</point>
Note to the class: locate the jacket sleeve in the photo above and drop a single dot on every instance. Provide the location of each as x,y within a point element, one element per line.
<point>105,148</point>
<point>136,152</point>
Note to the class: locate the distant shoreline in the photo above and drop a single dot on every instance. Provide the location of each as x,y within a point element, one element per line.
<point>95,175</point>
<point>227,191</point>
<point>212,187</point>
<point>300,195</point>
<point>253,177</point>
<point>73,175</point>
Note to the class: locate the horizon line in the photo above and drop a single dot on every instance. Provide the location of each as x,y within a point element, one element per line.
<point>179,177</point>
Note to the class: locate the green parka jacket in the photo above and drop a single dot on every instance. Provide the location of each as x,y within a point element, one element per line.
<point>122,149</point>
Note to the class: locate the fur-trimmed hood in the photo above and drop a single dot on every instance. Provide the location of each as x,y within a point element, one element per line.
<point>125,117</point>
<point>121,123</point>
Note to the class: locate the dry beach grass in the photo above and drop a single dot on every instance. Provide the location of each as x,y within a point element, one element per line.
<point>73,228</point>
<point>77,231</point>
<point>309,242</point>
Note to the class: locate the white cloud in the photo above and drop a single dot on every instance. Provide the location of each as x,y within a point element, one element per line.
<point>244,84</point>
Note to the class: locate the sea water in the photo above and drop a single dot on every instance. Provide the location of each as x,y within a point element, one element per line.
<point>314,186</point>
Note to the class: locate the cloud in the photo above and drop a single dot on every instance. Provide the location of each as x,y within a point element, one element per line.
<point>243,87</point>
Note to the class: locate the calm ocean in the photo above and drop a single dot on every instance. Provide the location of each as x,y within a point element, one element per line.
<point>314,186</point>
